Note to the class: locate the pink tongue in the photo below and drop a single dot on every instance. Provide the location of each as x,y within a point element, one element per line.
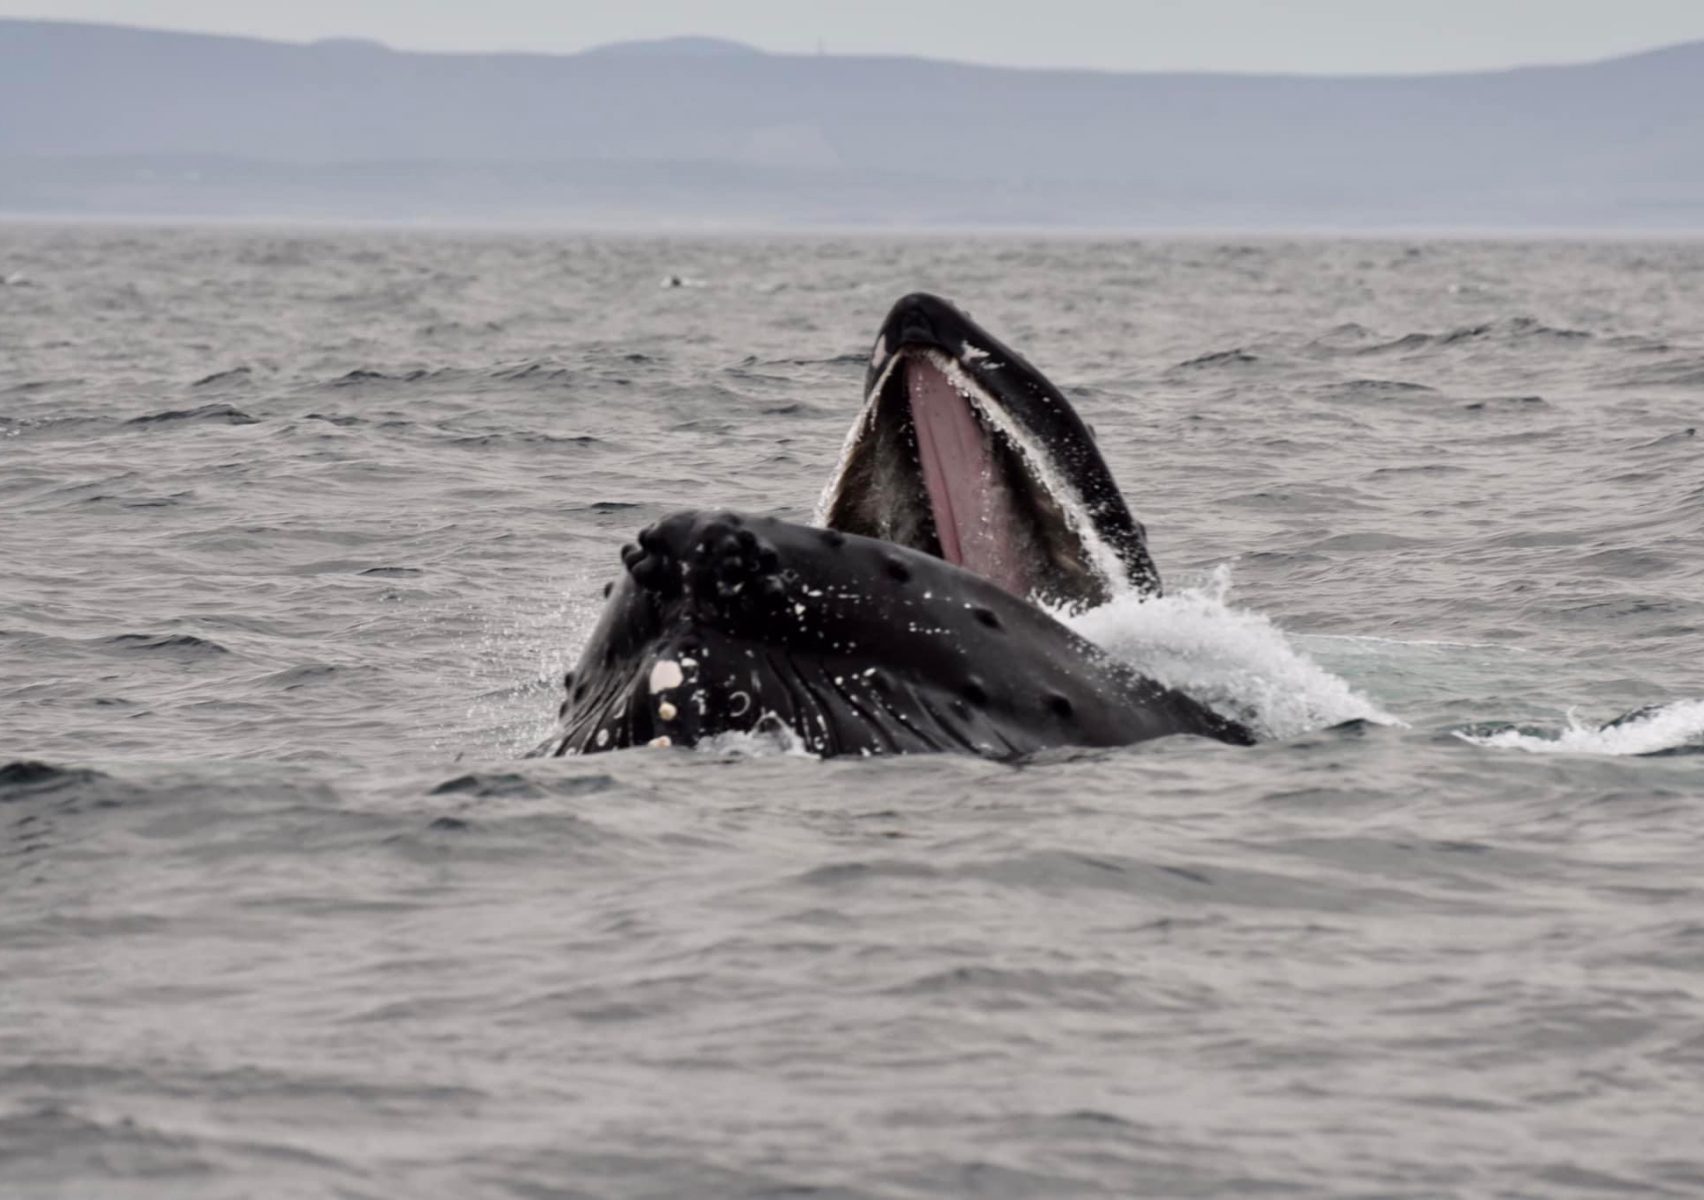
<point>973,513</point>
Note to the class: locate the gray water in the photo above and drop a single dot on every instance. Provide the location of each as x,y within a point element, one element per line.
<point>300,531</point>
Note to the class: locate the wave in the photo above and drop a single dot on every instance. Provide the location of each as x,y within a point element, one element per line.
<point>1660,729</point>
<point>1509,403</point>
<point>223,414</point>
<point>234,375</point>
<point>1511,329</point>
<point>176,645</point>
<point>362,375</point>
<point>1684,372</point>
<point>1360,389</point>
<point>26,778</point>
<point>538,371</point>
<point>1235,357</point>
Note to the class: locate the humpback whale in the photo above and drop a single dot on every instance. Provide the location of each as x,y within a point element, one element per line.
<point>968,499</point>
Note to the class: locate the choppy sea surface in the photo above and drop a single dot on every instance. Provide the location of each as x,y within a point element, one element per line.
<point>300,531</point>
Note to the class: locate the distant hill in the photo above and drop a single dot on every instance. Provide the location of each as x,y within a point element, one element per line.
<point>104,119</point>
<point>676,46</point>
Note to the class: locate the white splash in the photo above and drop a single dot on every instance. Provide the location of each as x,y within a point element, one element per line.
<point>1232,659</point>
<point>1666,727</point>
<point>770,739</point>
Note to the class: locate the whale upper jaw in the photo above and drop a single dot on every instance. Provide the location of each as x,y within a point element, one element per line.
<point>965,451</point>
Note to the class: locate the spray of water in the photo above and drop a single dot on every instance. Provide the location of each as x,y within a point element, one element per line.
<point>769,740</point>
<point>1235,660</point>
<point>516,664</point>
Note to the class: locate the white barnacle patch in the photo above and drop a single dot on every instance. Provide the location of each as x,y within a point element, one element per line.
<point>689,663</point>
<point>667,711</point>
<point>603,737</point>
<point>665,675</point>
<point>660,743</point>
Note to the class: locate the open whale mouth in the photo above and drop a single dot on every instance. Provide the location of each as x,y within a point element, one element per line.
<point>938,463</point>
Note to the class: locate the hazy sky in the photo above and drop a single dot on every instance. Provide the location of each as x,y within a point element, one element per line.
<point>1240,35</point>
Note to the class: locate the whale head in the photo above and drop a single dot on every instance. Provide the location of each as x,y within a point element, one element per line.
<point>727,623</point>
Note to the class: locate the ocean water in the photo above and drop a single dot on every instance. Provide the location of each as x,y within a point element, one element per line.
<point>301,529</point>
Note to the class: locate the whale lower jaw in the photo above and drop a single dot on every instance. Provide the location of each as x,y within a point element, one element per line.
<point>936,464</point>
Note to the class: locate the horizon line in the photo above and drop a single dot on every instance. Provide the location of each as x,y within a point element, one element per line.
<point>736,46</point>
<point>718,230</point>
